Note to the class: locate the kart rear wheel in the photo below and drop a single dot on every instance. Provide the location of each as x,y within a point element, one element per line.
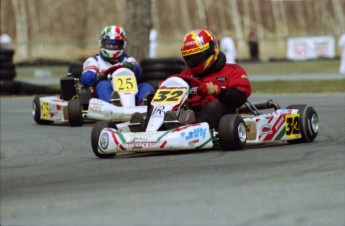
<point>309,123</point>
<point>36,112</point>
<point>75,112</point>
<point>96,131</point>
<point>232,132</point>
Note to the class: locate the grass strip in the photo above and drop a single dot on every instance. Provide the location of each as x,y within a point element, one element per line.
<point>310,86</point>
<point>320,66</point>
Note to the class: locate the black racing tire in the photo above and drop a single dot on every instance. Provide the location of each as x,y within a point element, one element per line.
<point>5,60</point>
<point>153,82</point>
<point>6,55</point>
<point>232,132</point>
<point>308,121</point>
<point>10,87</point>
<point>7,74</point>
<point>137,118</point>
<point>96,131</point>
<point>28,88</point>
<point>36,112</point>
<point>75,112</point>
<point>159,75</point>
<point>7,66</point>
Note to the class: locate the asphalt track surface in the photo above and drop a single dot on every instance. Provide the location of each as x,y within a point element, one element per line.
<point>49,176</point>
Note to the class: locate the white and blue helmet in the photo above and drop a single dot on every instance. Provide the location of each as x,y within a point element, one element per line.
<point>112,35</point>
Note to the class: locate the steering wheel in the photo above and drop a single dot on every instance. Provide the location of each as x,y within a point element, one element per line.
<point>190,79</point>
<point>113,68</point>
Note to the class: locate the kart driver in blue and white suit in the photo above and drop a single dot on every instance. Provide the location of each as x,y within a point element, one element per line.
<point>112,43</point>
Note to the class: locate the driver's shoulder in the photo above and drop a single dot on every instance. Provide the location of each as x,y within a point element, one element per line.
<point>130,59</point>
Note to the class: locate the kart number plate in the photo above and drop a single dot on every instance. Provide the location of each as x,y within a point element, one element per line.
<point>292,126</point>
<point>168,96</point>
<point>45,110</point>
<point>125,84</point>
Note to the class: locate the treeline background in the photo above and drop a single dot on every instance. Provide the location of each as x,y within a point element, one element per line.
<point>60,29</point>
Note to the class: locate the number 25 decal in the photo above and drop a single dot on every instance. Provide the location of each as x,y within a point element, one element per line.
<point>125,84</point>
<point>292,129</point>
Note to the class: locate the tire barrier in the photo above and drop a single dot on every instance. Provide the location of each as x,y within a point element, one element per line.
<point>166,60</point>
<point>158,69</point>
<point>154,70</point>
<point>23,88</point>
<point>7,68</point>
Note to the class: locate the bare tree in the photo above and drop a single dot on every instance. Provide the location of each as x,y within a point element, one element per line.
<point>257,17</point>
<point>339,15</point>
<point>154,14</point>
<point>199,4</point>
<point>138,24</point>
<point>185,14</point>
<point>282,12</point>
<point>300,17</point>
<point>33,21</point>
<point>235,17</point>
<point>21,28</point>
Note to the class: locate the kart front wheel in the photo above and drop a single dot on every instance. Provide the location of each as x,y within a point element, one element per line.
<point>232,132</point>
<point>308,121</point>
<point>36,112</point>
<point>96,131</point>
<point>75,112</point>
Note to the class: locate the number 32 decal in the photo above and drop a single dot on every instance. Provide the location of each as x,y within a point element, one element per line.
<point>168,96</point>
<point>292,128</point>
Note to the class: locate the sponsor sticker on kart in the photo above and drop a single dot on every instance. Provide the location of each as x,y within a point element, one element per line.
<point>141,144</point>
<point>95,106</point>
<point>125,84</point>
<point>169,96</point>
<point>292,126</point>
<point>196,133</point>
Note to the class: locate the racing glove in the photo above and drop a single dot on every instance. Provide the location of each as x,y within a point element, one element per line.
<point>208,89</point>
<point>128,65</point>
<point>100,76</point>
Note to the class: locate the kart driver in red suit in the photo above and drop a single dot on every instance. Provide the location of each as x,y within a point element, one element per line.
<point>224,87</point>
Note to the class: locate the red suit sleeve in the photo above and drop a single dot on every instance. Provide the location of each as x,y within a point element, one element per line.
<point>238,78</point>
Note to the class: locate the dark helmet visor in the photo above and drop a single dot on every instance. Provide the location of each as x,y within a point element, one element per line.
<point>198,58</point>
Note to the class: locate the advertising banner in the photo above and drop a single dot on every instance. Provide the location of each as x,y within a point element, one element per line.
<point>305,48</point>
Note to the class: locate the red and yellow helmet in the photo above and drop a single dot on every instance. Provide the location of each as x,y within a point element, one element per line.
<point>200,50</point>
